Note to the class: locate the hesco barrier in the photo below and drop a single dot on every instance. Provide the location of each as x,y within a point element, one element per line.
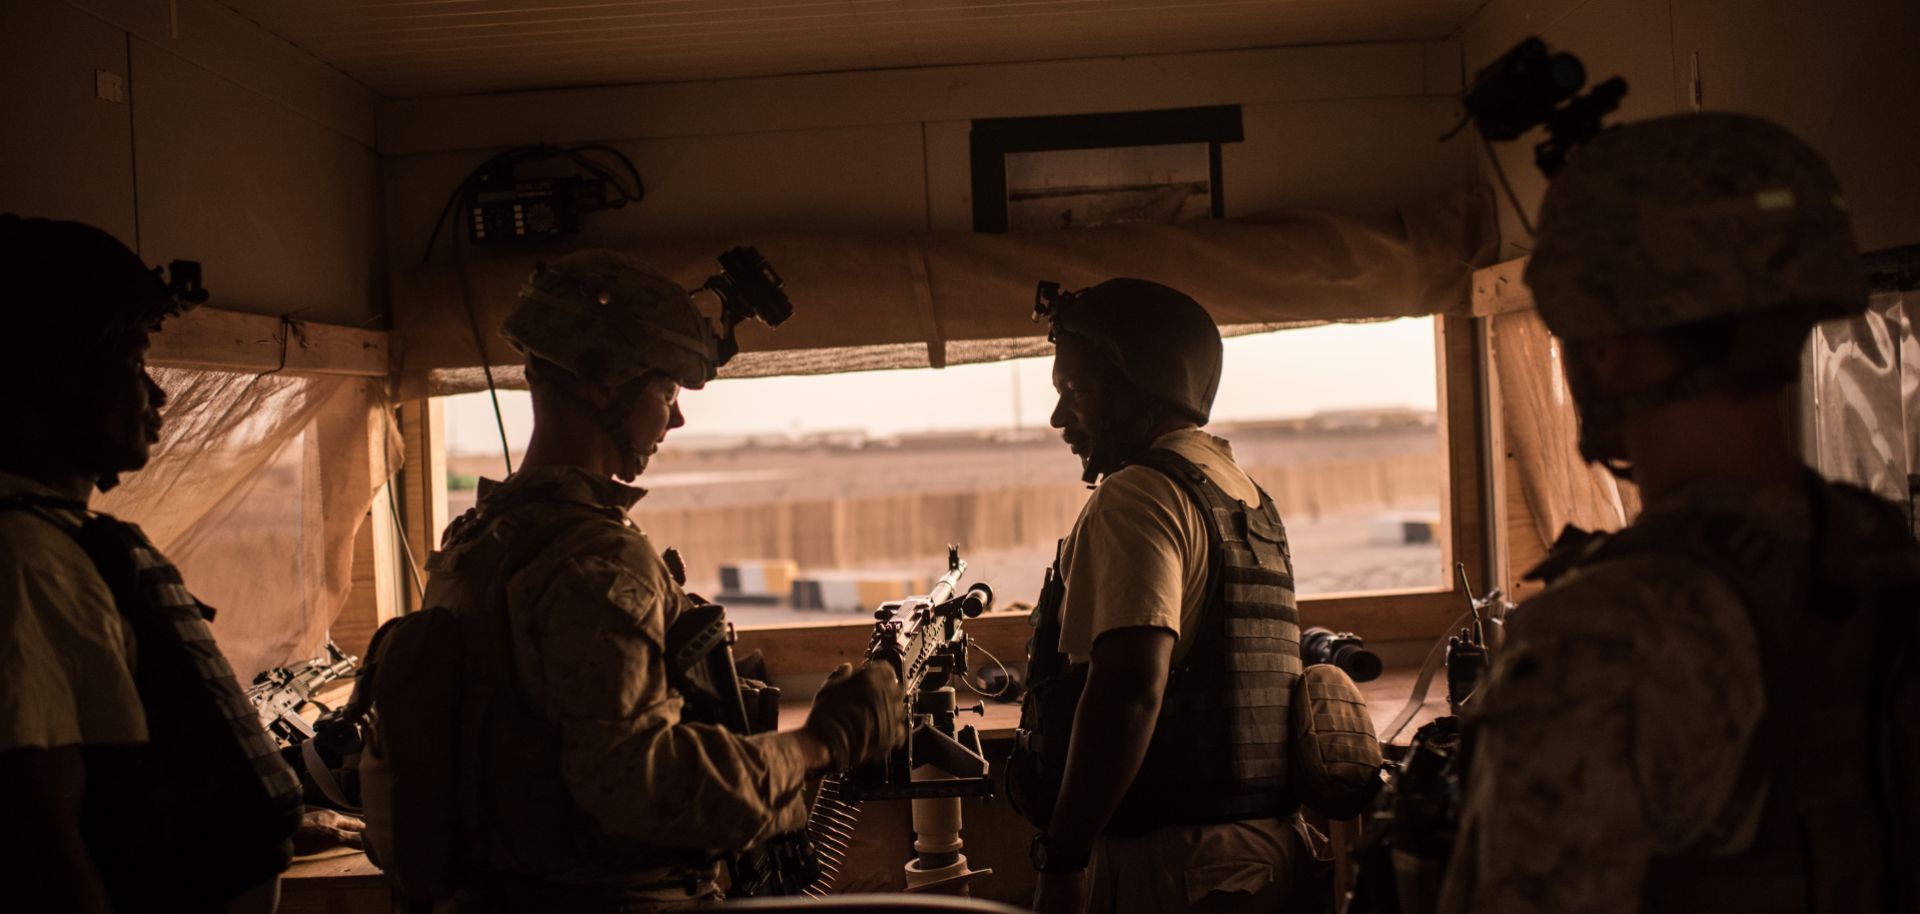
<point>907,527</point>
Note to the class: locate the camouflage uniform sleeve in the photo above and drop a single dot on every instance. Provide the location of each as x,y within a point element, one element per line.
<point>598,621</point>
<point>1623,700</point>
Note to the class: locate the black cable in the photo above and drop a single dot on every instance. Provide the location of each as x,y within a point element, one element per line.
<point>1006,678</point>
<point>1512,197</point>
<point>486,365</point>
<point>639,186</point>
<point>393,505</point>
<point>494,164</point>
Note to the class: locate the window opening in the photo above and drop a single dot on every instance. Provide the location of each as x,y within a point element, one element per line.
<point>813,498</point>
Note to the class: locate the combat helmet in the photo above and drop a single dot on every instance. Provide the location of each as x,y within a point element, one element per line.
<point>75,296</point>
<point>1160,339</point>
<point>69,283</point>
<point>1690,218</point>
<point>1694,220</point>
<point>611,320</point>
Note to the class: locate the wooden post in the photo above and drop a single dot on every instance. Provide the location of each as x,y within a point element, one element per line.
<point>1469,436</point>
<point>377,591</point>
<point>422,491</point>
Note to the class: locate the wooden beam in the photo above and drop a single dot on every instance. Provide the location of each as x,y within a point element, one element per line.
<point>1387,615</point>
<point>814,648</point>
<point>1501,288</point>
<point>209,338</point>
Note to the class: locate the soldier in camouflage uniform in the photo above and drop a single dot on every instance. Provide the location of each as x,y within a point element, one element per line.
<point>614,802</point>
<point>1703,711</point>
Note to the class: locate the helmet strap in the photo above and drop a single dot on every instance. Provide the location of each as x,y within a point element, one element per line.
<point>1135,435</point>
<point>613,421</point>
<point>1603,418</point>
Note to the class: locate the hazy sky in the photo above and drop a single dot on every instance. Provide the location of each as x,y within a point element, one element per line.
<point>1273,375</point>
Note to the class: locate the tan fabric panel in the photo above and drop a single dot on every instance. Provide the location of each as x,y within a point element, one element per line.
<point>893,301</point>
<point>255,491</point>
<point>1543,434</point>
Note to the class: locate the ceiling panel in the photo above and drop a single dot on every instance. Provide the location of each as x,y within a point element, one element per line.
<point>404,48</point>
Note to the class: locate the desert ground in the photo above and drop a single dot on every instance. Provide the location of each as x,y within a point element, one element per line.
<point>844,502</point>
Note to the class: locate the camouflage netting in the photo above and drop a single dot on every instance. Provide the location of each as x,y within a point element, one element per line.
<point>1688,218</point>
<point>256,490</point>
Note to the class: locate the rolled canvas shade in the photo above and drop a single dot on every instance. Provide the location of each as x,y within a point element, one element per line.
<point>934,298</point>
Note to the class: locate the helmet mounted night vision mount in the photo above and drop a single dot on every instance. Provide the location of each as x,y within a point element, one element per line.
<point>747,287</point>
<point>1532,86</point>
<point>1048,303</point>
<point>182,280</point>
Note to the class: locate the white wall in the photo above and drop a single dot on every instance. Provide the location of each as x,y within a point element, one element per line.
<point>1843,74</point>
<point>1350,127</point>
<point>231,147</point>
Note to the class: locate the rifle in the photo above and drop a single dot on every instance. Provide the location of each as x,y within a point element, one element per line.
<point>700,666</point>
<point>281,694</point>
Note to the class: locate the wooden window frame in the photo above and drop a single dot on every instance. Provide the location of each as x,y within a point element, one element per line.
<point>1467,434</point>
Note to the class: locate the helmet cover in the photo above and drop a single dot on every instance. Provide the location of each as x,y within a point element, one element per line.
<point>611,319</point>
<point>1689,218</point>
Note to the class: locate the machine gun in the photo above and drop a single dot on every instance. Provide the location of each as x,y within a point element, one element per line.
<point>282,695</point>
<point>924,641</point>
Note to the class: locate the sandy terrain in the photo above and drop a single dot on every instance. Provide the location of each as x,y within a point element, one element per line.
<point>716,499</point>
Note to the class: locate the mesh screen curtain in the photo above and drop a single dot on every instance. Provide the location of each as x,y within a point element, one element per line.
<point>256,490</point>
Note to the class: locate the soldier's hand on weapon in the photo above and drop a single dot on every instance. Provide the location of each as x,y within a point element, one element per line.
<point>858,715</point>
<point>324,829</point>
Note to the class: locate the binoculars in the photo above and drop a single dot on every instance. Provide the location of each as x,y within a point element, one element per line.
<point>1341,649</point>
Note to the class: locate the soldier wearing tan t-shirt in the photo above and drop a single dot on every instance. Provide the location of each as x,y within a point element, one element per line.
<point>130,760</point>
<point>1136,368</point>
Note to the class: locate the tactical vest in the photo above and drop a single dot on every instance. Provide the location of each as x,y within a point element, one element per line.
<point>1830,775</point>
<point>526,829</point>
<point>1219,747</point>
<point>205,809</point>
